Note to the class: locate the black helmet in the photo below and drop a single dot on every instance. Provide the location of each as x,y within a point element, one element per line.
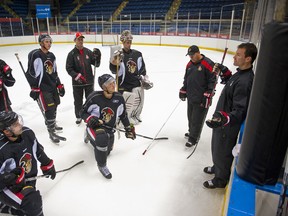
<point>103,79</point>
<point>42,37</point>
<point>7,119</point>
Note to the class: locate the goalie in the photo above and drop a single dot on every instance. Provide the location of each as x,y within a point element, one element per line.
<point>129,67</point>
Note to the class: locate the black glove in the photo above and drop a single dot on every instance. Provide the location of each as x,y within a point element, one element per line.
<point>49,169</point>
<point>61,90</point>
<point>97,54</point>
<point>34,93</point>
<point>130,132</point>
<point>93,122</point>
<point>182,94</point>
<point>15,180</point>
<point>5,69</point>
<point>206,100</point>
<point>219,119</point>
<point>80,79</point>
<point>224,74</point>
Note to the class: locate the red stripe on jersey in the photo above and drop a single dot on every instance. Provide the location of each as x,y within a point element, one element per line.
<point>207,65</point>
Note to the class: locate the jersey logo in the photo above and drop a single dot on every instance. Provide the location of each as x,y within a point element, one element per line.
<point>107,114</point>
<point>26,162</point>
<point>199,68</point>
<point>131,66</point>
<point>48,65</point>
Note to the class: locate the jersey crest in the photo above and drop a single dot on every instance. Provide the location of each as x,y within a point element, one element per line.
<point>107,114</point>
<point>48,65</point>
<point>26,162</point>
<point>131,65</point>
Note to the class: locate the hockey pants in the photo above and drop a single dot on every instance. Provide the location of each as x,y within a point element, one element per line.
<point>26,202</point>
<point>102,142</point>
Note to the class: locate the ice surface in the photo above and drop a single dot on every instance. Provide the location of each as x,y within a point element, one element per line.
<point>160,183</point>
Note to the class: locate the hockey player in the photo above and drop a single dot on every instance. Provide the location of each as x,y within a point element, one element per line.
<point>229,114</point>
<point>78,66</point>
<point>45,84</point>
<point>20,152</point>
<point>130,66</point>
<point>6,79</point>
<point>101,111</point>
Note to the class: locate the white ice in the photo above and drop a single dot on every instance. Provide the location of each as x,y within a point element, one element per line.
<point>160,183</point>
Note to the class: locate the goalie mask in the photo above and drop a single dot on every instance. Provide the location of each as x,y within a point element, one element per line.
<point>126,35</point>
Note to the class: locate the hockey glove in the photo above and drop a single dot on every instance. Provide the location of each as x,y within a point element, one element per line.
<point>15,180</point>
<point>49,169</point>
<point>80,79</point>
<point>206,100</point>
<point>93,122</point>
<point>5,69</point>
<point>219,119</point>
<point>61,90</point>
<point>145,82</point>
<point>130,132</point>
<point>182,94</point>
<point>224,74</point>
<point>34,93</point>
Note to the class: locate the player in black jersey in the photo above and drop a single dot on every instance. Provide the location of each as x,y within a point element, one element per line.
<point>6,80</point>
<point>19,153</point>
<point>101,111</point>
<point>45,84</point>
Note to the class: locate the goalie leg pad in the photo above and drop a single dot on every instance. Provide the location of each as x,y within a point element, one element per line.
<point>138,102</point>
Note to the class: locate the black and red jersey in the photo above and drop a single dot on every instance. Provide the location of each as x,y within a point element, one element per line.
<point>198,79</point>
<point>24,152</point>
<point>42,71</point>
<point>130,69</point>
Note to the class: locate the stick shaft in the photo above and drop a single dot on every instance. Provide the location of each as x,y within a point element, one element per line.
<point>59,171</point>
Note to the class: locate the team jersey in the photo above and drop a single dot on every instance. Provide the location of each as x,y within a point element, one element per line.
<point>107,110</point>
<point>42,71</point>
<point>78,62</point>
<point>24,152</point>
<point>199,78</point>
<point>130,70</point>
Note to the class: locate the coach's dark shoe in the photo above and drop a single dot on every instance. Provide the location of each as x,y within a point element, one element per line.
<point>215,183</point>
<point>190,143</point>
<point>209,170</point>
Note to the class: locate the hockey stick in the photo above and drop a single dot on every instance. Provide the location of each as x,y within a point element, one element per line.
<point>59,171</point>
<point>160,129</point>
<point>217,76</point>
<point>146,137</point>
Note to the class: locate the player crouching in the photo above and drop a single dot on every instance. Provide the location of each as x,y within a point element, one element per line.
<point>101,111</point>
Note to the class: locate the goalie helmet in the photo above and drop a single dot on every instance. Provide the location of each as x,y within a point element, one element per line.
<point>105,79</point>
<point>43,37</point>
<point>126,35</point>
<point>7,119</point>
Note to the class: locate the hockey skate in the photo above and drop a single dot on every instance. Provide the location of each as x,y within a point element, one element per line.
<point>105,171</point>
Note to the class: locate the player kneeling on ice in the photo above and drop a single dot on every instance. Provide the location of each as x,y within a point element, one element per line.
<point>101,111</point>
<point>19,154</point>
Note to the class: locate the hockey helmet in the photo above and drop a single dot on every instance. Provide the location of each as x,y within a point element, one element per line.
<point>7,119</point>
<point>105,79</point>
<point>43,37</point>
<point>126,35</point>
